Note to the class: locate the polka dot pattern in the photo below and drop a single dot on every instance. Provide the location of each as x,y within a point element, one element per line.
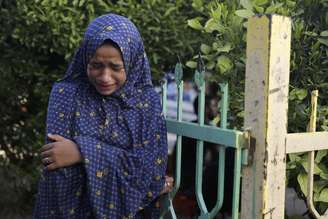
<point>121,137</point>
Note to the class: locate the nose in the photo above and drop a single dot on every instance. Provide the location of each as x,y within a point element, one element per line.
<point>106,76</point>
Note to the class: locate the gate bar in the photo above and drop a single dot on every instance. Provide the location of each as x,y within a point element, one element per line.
<point>306,141</point>
<point>230,138</point>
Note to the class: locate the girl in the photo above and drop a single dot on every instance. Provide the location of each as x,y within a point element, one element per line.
<point>106,152</point>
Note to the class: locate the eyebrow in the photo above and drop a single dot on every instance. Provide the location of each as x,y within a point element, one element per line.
<point>109,62</point>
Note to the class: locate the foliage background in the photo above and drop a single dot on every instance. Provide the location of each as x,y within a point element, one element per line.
<point>38,37</point>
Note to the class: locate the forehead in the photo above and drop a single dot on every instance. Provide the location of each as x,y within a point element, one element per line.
<point>108,51</point>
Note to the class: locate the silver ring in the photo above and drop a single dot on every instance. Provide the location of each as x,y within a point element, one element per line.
<point>47,160</point>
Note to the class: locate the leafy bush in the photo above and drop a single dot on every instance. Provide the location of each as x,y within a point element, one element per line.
<point>223,24</point>
<point>37,39</point>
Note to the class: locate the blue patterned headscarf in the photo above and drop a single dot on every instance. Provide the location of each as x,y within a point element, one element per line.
<point>121,137</point>
<point>124,33</point>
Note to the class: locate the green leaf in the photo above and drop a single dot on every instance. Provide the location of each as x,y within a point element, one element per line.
<point>323,167</point>
<point>260,2</point>
<point>212,25</point>
<point>324,175</point>
<point>259,9</point>
<point>216,13</point>
<point>302,181</point>
<point>225,48</point>
<point>215,45</point>
<point>301,93</point>
<point>241,114</point>
<point>247,4</point>
<point>297,93</point>
<point>205,49</point>
<point>75,3</point>
<point>323,197</point>
<point>271,9</point>
<point>169,11</point>
<point>290,4</point>
<point>81,3</point>
<point>316,169</point>
<point>198,5</point>
<point>320,154</point>
<point>309,33</point>
<point>324,33</point>
<point>319,185</point>
<point>245,24</point>
<point>195,24</point>
<point>323,41</point>
<point>291,165</point>
<point>224,64</point>
<point>210,65</point>
<point>323,206</point>
<point>244,13</point>
<point>191,64</point>
<point>294,158</point>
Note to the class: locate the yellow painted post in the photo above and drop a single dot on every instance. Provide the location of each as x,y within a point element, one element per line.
<point>266,104</point>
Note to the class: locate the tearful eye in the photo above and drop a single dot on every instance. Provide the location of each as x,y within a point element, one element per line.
<point>96,65</point>
<point>116,67</point>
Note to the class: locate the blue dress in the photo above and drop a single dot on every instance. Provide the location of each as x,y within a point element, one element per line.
<point>121,137</point>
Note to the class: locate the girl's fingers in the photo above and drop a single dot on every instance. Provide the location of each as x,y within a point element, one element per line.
<point>46,147</point>
<point>46,153</point>
<point>169,183</point>
<point>56,137</point>
<point>169,179</point>
<point>52,166</point>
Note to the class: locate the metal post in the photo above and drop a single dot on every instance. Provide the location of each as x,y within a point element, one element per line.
<point>266,104</point>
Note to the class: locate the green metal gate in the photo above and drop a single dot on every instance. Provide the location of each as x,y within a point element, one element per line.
<point>217,135</point>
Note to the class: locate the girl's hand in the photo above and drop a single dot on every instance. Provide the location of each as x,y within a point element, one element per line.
<point>60,153</point>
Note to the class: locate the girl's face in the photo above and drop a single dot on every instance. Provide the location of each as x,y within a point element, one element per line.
<point>106,70</point>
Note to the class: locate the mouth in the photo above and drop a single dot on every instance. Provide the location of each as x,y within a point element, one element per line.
<point>106,86</point>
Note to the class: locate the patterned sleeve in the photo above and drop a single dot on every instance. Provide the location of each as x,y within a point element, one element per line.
<point>121,182</point>
<point>59,116</point>
<point>58,190</point>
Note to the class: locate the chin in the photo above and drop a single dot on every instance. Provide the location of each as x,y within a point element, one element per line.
<point>106,93</point>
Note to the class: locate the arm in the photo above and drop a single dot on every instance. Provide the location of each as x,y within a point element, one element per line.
<point>59,150</point>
